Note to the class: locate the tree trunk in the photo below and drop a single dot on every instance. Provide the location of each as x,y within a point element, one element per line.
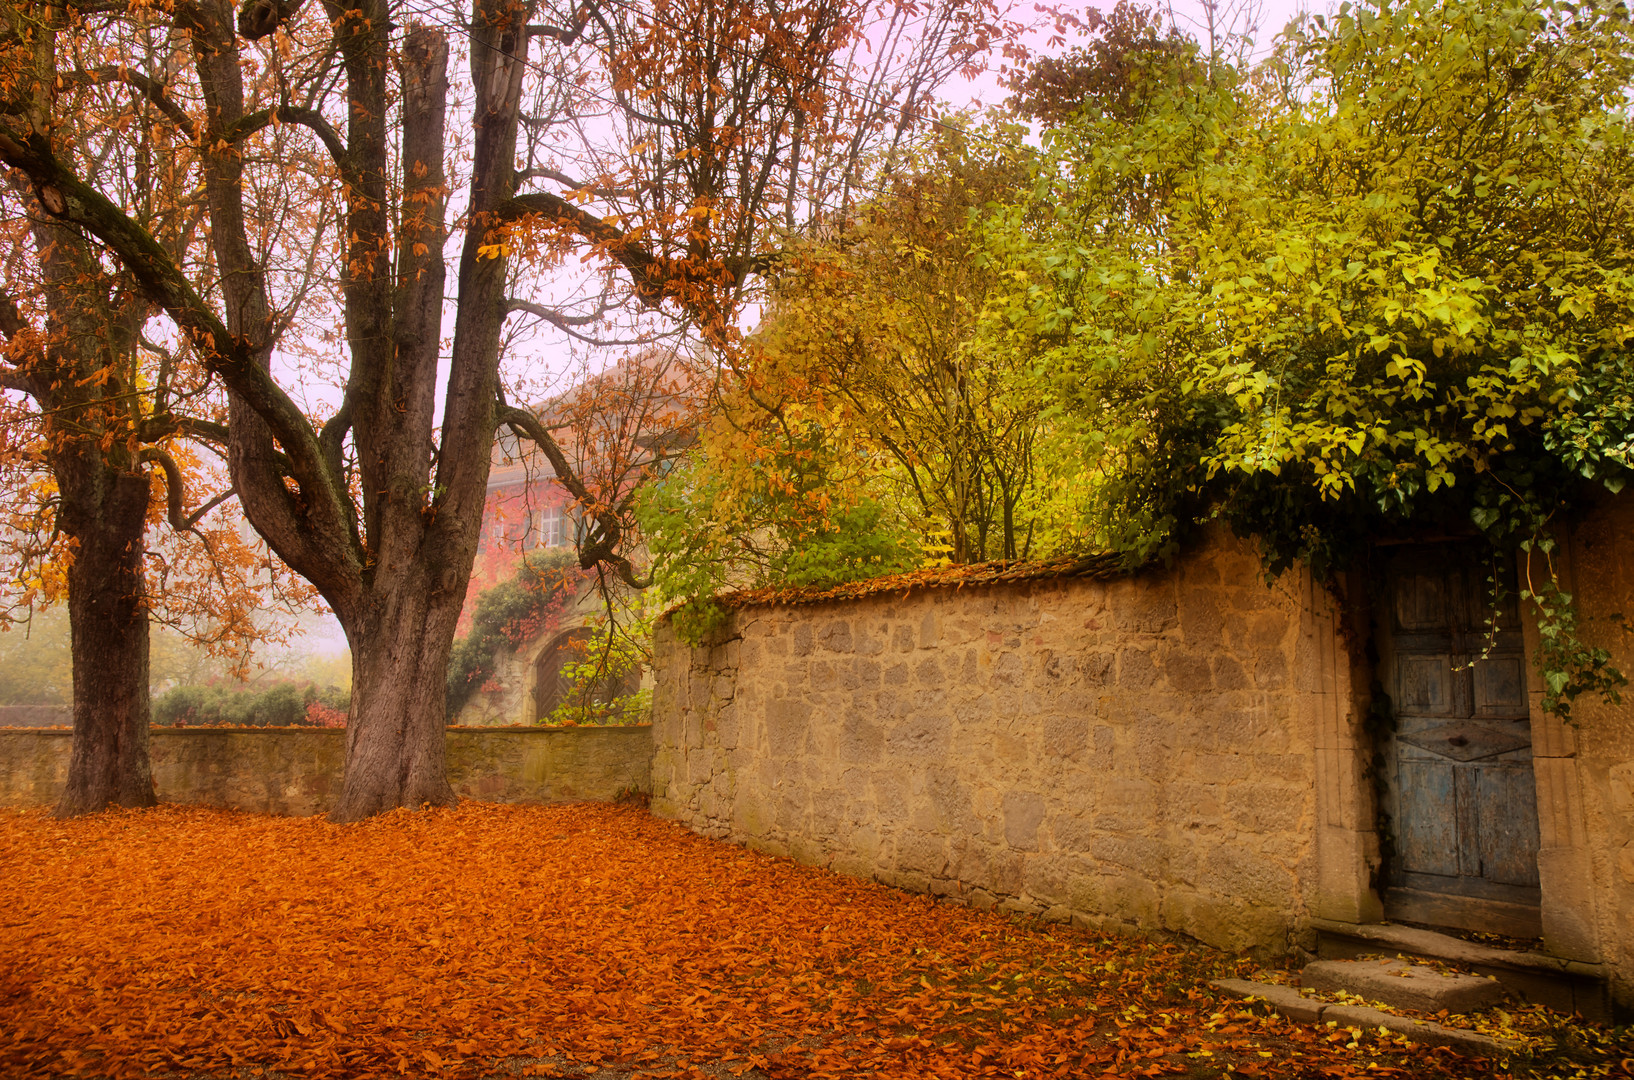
<point>394,736</point>
<point>108,622</point>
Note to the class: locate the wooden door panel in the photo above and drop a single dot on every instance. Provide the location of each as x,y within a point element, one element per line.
<point>1500,686</point>
<point>1505,804</point>
<point>1421,602</point>
<point>1456,784</point>
<point>1424,684</point>
<point>1465,740</point>
<point>1426,837</point>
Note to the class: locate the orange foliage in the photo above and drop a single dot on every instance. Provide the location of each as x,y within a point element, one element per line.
<point>444,942</point>
<point>320,715</point>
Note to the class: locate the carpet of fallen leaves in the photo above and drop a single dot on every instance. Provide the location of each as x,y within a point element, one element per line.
<point>492,940</point>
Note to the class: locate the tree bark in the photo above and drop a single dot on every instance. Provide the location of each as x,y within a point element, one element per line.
<point>378,512</point>
<point>77,381</point>
<point>105,511</point>
<point>394,736</point>
<point>402,630</point>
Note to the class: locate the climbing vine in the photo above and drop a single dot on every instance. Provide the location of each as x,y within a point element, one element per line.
<point>507,616</point>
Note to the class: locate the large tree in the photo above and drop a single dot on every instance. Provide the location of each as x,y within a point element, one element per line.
<point>673,140</point>
<point>98,409</point>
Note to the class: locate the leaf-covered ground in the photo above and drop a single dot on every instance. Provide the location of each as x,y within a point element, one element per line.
<point>561,940</point>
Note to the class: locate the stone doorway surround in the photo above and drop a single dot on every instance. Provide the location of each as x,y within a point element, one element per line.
<point>1583,858</point>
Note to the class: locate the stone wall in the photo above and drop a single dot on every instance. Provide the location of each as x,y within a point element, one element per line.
<point>1133,751</point>
<point>298,770</point>
<point>1586,769</point>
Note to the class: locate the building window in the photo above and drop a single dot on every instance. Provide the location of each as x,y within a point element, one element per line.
<point>558,526</point>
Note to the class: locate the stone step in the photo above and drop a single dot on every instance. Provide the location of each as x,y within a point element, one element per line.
<point>1556,982</point>
<point>1402,984</point>
<point>1288,1001</point>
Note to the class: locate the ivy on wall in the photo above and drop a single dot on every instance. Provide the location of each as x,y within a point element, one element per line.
<point>508,616</point>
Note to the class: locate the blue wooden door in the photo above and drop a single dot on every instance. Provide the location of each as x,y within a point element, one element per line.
<point>1458,795</point>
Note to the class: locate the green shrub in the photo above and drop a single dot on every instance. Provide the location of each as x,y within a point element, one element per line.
<point>284,704</point>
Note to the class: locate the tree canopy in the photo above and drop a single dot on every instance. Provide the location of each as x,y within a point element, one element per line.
<point>1377,283</point>
<point>668,146</point>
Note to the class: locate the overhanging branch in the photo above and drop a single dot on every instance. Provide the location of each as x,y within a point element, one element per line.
<point>12,379</point>
<point>655,279</point>
<point>290,114</point>
<point>566,35</point>
<point>236,359</point>
<point>259,18</point>
<point>150,88</point>
<point>176,492</point>
<point>609,529</point>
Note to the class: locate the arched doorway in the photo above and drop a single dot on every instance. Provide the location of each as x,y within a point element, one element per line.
<point>551,690</point>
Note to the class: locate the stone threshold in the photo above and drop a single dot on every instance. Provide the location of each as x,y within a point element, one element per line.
<point>1557,982</point>
<point>1436,946</point>
<point>1289,1002</point>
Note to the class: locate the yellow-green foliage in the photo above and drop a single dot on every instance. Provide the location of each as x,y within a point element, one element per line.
<point>1385,281</point>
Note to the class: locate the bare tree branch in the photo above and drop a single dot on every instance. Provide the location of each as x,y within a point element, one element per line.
<point>149,87</point>
<point>566,35</point>
<point>259,18</point>
<point>551,315</point>
<point>12,379</point>
<point>290,114</point>
<point>655,279</point>
<point>603,545</point>
<point>176,492</point>
<point>64,195</point>
<point>11,319</point>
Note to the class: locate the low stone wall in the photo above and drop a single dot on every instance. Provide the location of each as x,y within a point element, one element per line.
<point>298,770</point>
<point>1135,751</point>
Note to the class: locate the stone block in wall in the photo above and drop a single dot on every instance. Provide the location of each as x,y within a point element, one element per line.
<point>834,635</point>
<point>1132,899</point>
<point>1137,669</point>
<point>1346,860</point>
<point>1066,734</point>
<point>1265,807</point>
<point>1183,668</point>
<point>788,724</point>
<point>33,766</point>
<point>1023,814</point>
<point>1129,804</point>
<point>1097,669</point>
<point>1246,876</point>
<point>1143,607</point>
<point>750,816</point>
<point>1227,922</point>
<point>919,738</point>
<point>1123,852</point>
<point>862,738</point>
<point>1228,673</point>
<point>1202,618</point>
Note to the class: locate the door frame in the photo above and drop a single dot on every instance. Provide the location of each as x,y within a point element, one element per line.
<point>1465,900</point>
<point>1337,636</point>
